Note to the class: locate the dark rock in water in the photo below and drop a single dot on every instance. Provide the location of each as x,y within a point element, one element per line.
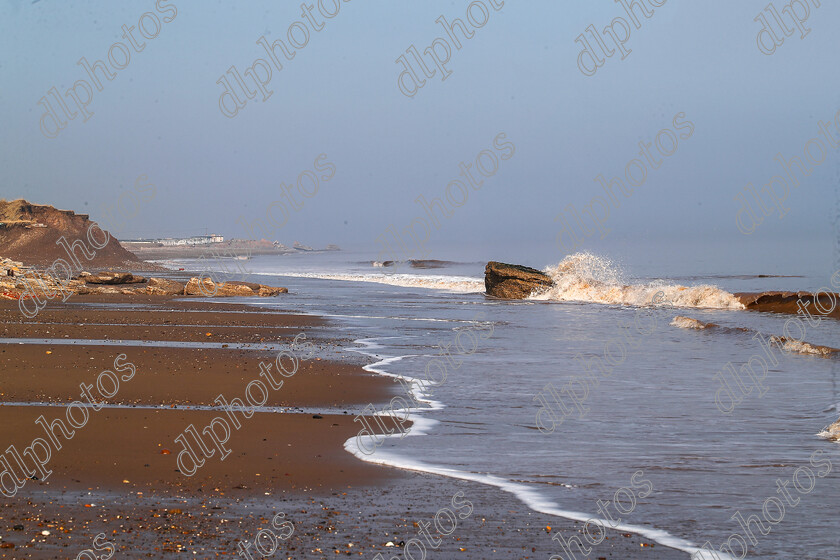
<point>428,263</point>
<point>824,303</point>
<point>512,281</point>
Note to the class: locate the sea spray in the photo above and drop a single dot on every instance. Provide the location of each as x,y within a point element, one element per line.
<point>589,278</point>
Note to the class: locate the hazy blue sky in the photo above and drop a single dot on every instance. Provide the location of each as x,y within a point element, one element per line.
<point>160,117</point>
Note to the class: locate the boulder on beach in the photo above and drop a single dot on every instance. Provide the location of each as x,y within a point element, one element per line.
<point>164,287</point>
<point>259,289</point>
<point>268,291</point>
<point>106,289</point>
<point>208,288</point>
<point>513,281</point>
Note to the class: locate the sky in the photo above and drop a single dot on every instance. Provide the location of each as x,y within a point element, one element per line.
<point>339,99</point>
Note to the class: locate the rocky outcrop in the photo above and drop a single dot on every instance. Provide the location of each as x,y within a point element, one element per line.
<point>106,289</point>
<point>301,247</point>
<point>825,303</point>
<point>260,289</point>
<point>512,281</point>
<point>207,288</point>
<point>164,287</point>
<point>112,278</point>
<point>18,281</point>
<point>268,291</point>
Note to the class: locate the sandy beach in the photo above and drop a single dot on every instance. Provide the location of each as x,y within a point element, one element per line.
<point>118,473</point>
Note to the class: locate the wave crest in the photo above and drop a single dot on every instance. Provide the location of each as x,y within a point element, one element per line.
<point>457,284</point>
<point>590,278</point>
<point>689,323</point>
<point>831,433</point>
<point>802,347</point>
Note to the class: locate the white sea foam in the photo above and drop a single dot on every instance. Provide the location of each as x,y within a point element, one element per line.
<point>589,278</point>
<point>831,433</point>
<point>532,498</point>
<point>420,426</point>
<point>800,347</point>
<point>786,344</point>
<point>688,323</point>
<point>458,284</point>
<point>529,495</point>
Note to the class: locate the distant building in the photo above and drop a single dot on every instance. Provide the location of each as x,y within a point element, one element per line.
<point>195,240</point>
<point>181,241</point>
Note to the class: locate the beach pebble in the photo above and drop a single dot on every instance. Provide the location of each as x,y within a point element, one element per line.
<point>45,533</point>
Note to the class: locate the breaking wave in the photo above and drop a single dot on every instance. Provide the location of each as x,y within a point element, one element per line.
<point>588,278</point>
<point>458,284</point>
<point>831,433</point>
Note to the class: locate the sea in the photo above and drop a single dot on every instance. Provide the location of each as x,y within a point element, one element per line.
<point>706,460</point>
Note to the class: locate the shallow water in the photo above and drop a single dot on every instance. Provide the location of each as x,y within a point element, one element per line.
<point>655,412</point>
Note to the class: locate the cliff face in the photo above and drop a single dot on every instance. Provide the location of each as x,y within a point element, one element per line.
<point>30,232</point>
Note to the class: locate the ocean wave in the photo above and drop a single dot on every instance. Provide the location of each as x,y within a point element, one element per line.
<point>802,347</point>
<point>458,284</point>
<point>689,323</point>
<point>416,263</point>
<point>589,278</point>
<point>529,495</point>
<point>786,344</point>
<point>831,433</point>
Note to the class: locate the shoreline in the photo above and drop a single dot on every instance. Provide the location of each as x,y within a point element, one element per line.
<point>113,468</point>
<point>526,494</point>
